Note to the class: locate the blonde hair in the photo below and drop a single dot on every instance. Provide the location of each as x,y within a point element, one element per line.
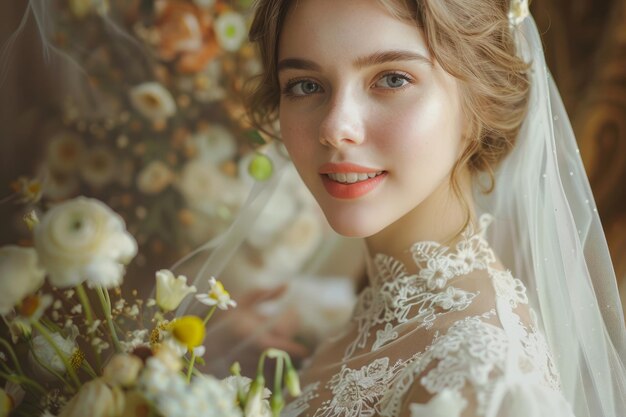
<point>470,39</point>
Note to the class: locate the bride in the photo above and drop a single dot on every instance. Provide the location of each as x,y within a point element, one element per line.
<point>433,130</point>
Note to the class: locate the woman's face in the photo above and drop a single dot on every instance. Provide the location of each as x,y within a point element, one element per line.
<point>373,126</point>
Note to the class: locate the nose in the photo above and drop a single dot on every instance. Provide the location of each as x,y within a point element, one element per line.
<point>343,123</point>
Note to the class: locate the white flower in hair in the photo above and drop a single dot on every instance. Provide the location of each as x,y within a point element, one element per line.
<point>153,101</point>
<point>518,11</point>
<point>216,296</point>
<point>20,276</point>
<point>84,240</point>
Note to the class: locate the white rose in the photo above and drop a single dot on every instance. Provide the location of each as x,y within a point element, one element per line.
<point>230,30</point>
<point>154,178</point>
<point>95,399</point>
<point>123,369</point>
<point>65,152</point>
<point>84,240</point>
<point>20,275</point>
<point>205,187</point>
<point>215,144</point>
<point>153,101</point>
<point>170,290</point>
<point>99,167</point>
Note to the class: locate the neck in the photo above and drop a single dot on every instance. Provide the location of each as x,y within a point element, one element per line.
<point>439,218</point>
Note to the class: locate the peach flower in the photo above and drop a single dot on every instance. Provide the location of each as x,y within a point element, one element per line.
<point>185,32</point>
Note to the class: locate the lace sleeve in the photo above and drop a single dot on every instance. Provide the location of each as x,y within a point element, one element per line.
<point>487,360</point>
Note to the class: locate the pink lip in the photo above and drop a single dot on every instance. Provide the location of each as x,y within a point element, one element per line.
<point>345,167</point>
<point>351,191</point>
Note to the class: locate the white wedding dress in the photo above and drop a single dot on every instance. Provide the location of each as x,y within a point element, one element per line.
<point>450,335</point>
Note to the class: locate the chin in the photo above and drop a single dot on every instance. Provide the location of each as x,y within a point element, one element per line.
<point>351,225</point>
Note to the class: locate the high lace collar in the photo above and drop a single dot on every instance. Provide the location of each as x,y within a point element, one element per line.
<point>437,263</point>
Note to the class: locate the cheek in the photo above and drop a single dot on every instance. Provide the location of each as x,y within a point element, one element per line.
<point>422,130</point>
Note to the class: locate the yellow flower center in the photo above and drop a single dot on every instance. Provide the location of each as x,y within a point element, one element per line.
<point>77,358</point>
<point>188,330</point>
<point>218,291</point>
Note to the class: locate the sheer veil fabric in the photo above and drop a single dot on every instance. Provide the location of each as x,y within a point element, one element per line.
<point>547,230</point>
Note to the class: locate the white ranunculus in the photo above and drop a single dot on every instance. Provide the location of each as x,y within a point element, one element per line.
<point>230,29</point>
<point>59,185</point>
<point>154,178</point>
<point>153,101</point>
<point>45,353</point>
<point>20,275</point>
<point>171,290</point>
<point>205,187</point>
<point>296,242</point>
<point>99,167</point>
<point>95,399</point>
<point>65,151</point>
<point>215,144</point>
<point>84,240</point>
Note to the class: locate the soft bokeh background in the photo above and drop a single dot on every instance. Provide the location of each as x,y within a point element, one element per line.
<point>585,42</point>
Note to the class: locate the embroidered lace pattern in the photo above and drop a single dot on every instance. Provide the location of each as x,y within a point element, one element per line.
<point>465,361</point>
<point>394,293</point>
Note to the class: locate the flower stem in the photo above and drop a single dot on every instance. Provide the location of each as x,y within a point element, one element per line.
<point>106,307</point>
<point>21,379</point>
<point>70,370</point>
<point>11,352</point>
<point>190,368</point>
<point>84,300</point>
<point>209,314</point>
<point>277,402</point>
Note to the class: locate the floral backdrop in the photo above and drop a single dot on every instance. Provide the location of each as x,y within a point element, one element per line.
<point>146,115</point>
<point>150,120</point>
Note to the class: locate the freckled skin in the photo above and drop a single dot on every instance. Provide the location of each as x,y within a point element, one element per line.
<point>409,125</point>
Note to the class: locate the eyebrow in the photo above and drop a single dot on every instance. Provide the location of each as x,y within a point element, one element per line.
<point>376,58</point>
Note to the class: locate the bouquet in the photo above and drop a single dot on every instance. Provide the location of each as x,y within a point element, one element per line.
<point>79,346</point>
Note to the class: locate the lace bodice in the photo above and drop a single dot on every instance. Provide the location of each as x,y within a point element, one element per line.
<point>451,336</point>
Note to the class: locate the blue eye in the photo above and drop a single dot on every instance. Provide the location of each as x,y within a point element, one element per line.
<point>301,88</point>
<point>394,80</point>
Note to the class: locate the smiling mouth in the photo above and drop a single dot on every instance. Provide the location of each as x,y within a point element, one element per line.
<point>352,177</point>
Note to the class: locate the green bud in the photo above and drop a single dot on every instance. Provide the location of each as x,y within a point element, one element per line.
<point>261,167</point>
<point>292,382</point>
<point>235,369</point>
<point>277,403</point>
